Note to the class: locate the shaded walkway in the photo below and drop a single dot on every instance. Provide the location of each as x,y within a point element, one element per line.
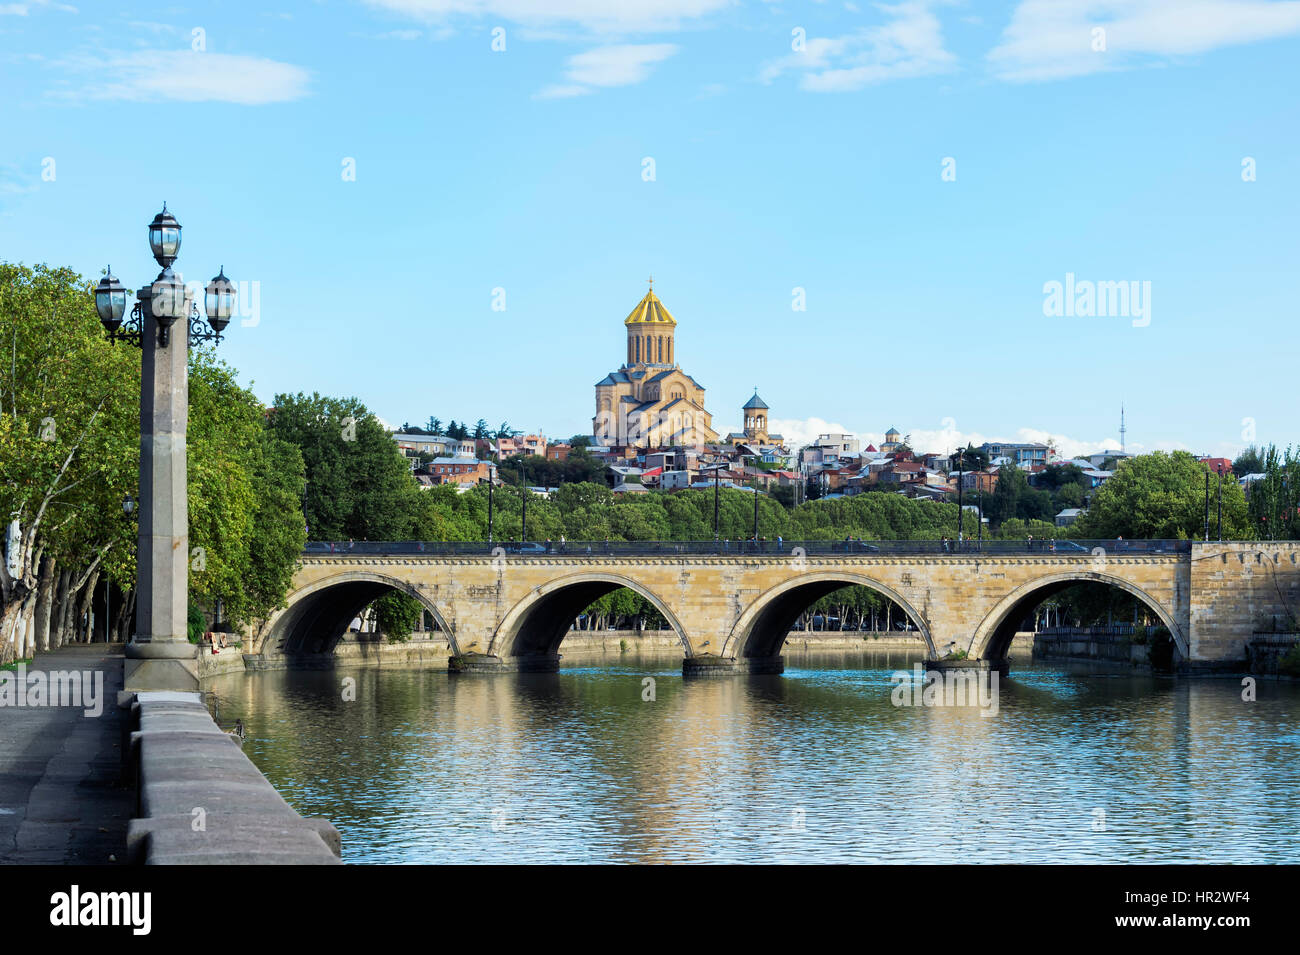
<point>61,799</point>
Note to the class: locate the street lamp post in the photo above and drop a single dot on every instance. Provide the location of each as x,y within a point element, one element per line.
<point>1207,506</point>
<point>961,459</point>
<point>159,655</point>
<point>1220,505</point>
<point>715,462</point>
<point>523,492</point>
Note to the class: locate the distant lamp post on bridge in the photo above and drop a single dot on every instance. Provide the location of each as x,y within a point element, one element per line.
<point>523,496</point>
<point>160,655</point>
<point>128,508</point>
<point>715,461</point>
<point>961,461</point>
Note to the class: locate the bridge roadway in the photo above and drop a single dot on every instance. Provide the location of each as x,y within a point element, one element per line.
<point>509,606</point>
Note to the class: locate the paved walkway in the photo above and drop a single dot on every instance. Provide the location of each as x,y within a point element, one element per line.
<point>61,795</point>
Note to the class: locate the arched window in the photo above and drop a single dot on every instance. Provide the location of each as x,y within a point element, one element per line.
<point>638,349</point>
<point>661,350</point>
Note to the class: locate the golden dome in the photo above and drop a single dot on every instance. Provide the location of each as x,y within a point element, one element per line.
<point>650,311</point>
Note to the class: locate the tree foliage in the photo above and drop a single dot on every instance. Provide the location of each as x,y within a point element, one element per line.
<point>1162,495</point>
<point>358,484</point>
<point>69,405</point>
<point>397,615</point>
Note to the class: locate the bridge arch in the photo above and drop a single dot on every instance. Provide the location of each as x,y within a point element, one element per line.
<point>993,635</point>
<point>538,623</point>
<point>762,629</point>
<point>317,616</point>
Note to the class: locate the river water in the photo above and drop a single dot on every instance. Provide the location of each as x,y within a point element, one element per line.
<point>817,765</point>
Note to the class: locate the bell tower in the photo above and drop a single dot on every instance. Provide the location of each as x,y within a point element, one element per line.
<point>755,418</point>
<point>650,330</point>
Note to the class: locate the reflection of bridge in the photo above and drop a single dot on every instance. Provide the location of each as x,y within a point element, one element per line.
<point>732,604</point>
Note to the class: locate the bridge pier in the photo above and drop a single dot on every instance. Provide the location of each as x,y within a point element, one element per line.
<point>491,663</point>
<point>1003,667</point>
<point>708,665</point>
<point>476,663</point>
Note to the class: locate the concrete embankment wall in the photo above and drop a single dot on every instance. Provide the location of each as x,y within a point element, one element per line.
<point>201,801</point>
<point>1267,654</point>
<point>1107,647</point>
<point>431,651</point>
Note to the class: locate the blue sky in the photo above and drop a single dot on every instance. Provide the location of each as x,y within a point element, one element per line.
<point>775,168</point>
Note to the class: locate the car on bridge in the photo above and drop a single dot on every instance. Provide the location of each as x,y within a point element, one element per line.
<point>859,547</point>
<point>1059,544</point>
<point>525,548</point>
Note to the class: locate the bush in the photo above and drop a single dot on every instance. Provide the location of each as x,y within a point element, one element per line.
<point>396,615</point>
<point>196,623</point>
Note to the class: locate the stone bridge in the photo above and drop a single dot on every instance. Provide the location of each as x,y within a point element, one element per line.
<point>510,608</point>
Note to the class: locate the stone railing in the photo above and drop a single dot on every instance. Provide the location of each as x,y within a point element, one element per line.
<point>201,801</point>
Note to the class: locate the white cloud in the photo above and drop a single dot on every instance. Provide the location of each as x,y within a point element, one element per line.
<point>560,91</point>
<point>796,432</point>
<point>908,44</point>
<point>620,65</point>
<point>1051,39</point>
<point>22,9</point>
<point>614,16</point>
<point>946,438</point>
<point>154,75</point>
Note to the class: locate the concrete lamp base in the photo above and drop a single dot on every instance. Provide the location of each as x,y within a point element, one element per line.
<point>161,666</point>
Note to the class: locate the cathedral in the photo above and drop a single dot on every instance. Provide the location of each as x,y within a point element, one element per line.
<point>649,401</point>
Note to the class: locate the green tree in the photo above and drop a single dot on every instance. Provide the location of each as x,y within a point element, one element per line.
<point>69,448</point>
<point>278,530</point>
<point>1069,495</point>
<point>971,459</point>
<point>1004,503</point>
<point>1249,461</point>
<point>1274,505</point>
<point>1160,495</point>
<point>223,446</point>
<point>359,486</point>
<point>397,615</point>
